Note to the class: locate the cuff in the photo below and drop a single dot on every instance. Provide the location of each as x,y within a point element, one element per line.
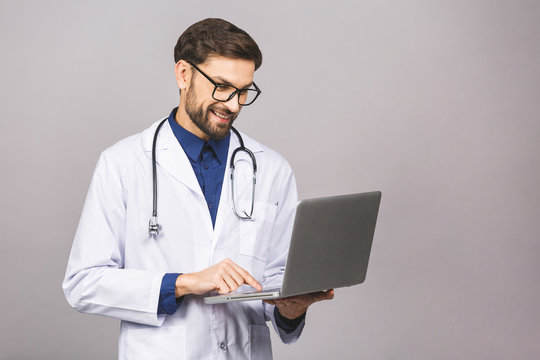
<point>168,303</point>
<point>287,325</point>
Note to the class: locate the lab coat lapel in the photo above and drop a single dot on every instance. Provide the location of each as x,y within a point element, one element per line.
<point>171,157</point>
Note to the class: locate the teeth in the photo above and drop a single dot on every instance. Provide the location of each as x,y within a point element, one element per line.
<point>221,115</point>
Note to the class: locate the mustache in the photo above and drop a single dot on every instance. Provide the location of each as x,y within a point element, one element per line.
<point>221,110</point>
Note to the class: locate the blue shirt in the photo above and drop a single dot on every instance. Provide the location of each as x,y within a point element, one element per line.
<point>208,160</point>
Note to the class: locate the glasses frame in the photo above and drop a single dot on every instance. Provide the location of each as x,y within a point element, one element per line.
<point>233,94</point>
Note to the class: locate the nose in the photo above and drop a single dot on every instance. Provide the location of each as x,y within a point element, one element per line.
<point>232,105</point>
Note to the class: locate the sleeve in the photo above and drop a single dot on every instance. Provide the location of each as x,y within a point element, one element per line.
<point>168,303</point>
<point>288,325</point>
<point>95,280</point>
<point>277,253</point>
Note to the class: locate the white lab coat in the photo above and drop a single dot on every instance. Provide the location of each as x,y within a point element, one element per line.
<point>115,268</point>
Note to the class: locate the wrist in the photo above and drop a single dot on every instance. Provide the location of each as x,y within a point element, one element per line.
<point>286,324</point>
<point>181,285</point>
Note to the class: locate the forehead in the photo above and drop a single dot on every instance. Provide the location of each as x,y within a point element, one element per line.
<point>238,72</point>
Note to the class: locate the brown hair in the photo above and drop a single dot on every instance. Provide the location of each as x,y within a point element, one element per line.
<point>216,37</point>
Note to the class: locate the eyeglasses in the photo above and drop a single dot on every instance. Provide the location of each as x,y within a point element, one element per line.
<point>225,92</point>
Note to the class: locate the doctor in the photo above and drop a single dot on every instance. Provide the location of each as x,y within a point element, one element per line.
<point>215,233</point>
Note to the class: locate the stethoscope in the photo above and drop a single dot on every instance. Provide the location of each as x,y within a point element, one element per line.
<point>153,225</point>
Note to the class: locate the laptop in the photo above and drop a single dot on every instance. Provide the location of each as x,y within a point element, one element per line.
<point>330,247</point>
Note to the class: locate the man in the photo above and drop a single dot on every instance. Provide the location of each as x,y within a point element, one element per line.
<point>215,233</point>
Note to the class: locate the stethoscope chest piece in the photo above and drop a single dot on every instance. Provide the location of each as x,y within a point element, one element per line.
<point>153,227</point>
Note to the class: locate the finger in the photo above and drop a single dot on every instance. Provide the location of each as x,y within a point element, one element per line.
<point>231,271</point>
<point>307,299</point>
<point>300,299</point>
<point>222,287</point>
<point>231,283</point>
<point>326,295</point>
<point>246,277</point>
<point>285,302</point>
<point>321,295</point>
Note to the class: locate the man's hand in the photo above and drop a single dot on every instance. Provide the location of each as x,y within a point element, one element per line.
<point>224,277</point>
<point>294,306</point>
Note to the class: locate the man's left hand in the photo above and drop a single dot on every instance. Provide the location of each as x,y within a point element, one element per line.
<point>294,306</point>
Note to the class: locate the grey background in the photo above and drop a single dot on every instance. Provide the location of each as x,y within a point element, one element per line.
<point>435,103</point>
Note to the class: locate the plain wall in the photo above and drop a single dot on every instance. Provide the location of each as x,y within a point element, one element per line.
<point>435,103</point>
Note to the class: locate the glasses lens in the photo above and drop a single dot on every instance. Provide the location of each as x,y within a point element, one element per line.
<point>223,92</point>
<point>245,96</point>
<point>248,96</point>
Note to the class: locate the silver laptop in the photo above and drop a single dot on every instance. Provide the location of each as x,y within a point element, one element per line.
<point>330,247</point>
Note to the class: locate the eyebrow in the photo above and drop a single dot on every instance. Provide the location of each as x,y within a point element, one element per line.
<point>221,80</point>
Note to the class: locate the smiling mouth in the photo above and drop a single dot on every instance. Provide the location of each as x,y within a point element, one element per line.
<point>222,116</point>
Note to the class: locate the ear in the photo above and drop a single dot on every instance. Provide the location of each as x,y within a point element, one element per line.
<point>182,71</point>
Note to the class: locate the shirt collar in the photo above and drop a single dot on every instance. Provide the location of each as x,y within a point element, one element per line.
<point>193,145</point>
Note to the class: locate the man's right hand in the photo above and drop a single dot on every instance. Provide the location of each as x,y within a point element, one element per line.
<point>224,277</point>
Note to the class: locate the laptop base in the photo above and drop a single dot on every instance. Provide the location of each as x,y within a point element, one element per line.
<point>244,296</point>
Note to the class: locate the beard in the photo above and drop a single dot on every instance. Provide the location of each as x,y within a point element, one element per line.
<point>201,117</point>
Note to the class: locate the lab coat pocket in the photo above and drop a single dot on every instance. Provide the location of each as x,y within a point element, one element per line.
<point>259,336</point>
<point>150,342</point>
<point>255,237</point>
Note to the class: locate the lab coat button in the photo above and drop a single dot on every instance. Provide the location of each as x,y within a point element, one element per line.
<point>223,346</point>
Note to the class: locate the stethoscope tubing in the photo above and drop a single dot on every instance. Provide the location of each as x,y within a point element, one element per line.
<point>154,172</point>
<point>153,226</point>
